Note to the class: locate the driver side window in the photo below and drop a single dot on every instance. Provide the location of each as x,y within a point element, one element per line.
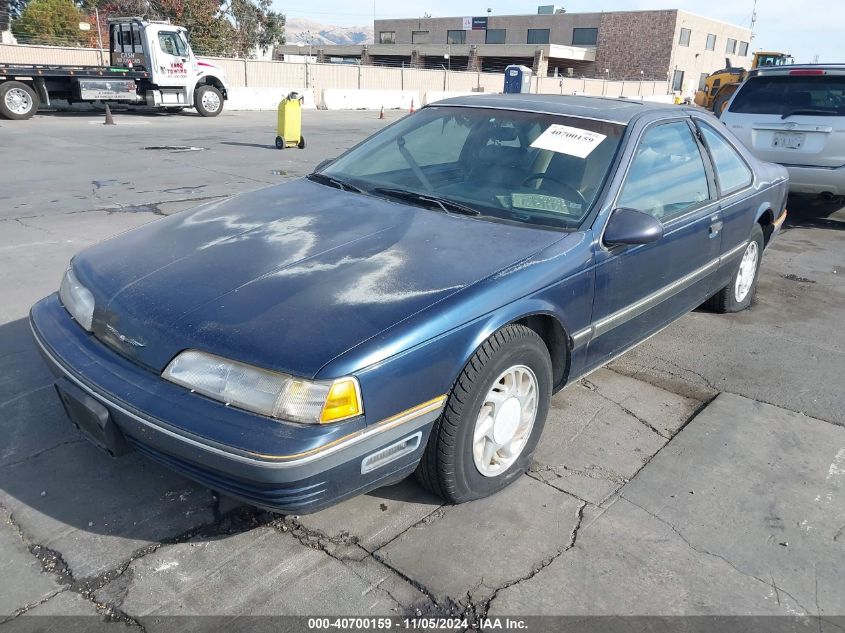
<point>667,175</point>
<point>172,44</point>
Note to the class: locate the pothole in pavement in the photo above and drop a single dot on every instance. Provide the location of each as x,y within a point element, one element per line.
<point>800,280</point>
<point>174,149</point>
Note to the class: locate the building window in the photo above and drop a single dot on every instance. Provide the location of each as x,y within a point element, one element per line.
<point>683,40</point>
<point>711,42</point>
<point>419,37</point>
<point>495,36</point>
<point>730,48</point>
<point>387,37</point>
<point>585,37</point>
<point>702,81</point>
<point>743,49</point>
<point>678,80</point>
<point>538,36</point>
<point>456,36</point>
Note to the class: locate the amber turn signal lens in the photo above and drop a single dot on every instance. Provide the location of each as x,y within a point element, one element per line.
<point>343,401</point>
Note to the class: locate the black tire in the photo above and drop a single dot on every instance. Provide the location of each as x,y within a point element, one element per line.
<point>447,467</point>
<point>301,144</point>
<point>720,102</point>
<point>12,88</point>
<point>725,300</point>
<point>280,142</point>
<point>202,109</point>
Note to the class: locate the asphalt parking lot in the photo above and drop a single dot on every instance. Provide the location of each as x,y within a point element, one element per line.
<point>702,473</point>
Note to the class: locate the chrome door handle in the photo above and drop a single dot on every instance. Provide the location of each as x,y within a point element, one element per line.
<point>715,225</point>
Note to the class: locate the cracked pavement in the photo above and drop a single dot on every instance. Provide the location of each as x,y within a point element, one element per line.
<point>702,473</point>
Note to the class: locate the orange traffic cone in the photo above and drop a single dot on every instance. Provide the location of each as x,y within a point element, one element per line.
<point>109,119</point>
<point>412,110</point>
<point>381,114</point>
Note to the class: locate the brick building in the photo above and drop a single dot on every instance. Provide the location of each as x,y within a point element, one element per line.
<point>650,45</point>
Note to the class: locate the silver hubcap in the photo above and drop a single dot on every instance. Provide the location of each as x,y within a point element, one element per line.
<point>747,271</point>
<point>18,101</point>
<point>505,421</point>
<point>210,101</point>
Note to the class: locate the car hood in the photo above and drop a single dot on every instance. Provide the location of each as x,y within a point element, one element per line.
<point>287,277</point>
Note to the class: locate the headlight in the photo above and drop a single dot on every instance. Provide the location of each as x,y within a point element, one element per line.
<point>266,392</point>
<point>77,299</point>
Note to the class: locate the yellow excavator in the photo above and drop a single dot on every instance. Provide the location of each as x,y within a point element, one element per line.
<point>721,84</point>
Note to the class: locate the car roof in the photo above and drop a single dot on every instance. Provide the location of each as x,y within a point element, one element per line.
<point>821,69</point>
<point>600,108</point>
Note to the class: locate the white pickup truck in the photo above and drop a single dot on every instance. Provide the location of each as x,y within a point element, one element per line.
<point>150,63</point>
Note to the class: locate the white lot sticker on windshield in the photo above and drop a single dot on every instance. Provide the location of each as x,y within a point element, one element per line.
<point>568,140</point>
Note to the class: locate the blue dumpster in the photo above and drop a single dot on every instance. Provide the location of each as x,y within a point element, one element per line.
<point>517,79</point>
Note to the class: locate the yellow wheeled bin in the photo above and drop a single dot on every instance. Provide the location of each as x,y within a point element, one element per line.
<point>289,127</point>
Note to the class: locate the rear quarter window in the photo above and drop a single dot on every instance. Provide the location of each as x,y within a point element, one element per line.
<point>822,95</point>
<point>732,173</point>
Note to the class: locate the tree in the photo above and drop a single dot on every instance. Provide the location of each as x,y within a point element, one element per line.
<point>54,22</point>
<point>12,8</point>
<point>239,27</point>
<point>256,26</point>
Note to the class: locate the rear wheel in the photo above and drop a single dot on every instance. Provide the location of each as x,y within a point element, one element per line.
<point>208,101</point>
<point>493,419</point>
<point>301,144</point>
<point>18,101</point>
<point>739,293</point>
<point>280,142</point>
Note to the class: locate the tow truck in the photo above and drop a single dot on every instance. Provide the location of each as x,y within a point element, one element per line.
<point>150,63</point>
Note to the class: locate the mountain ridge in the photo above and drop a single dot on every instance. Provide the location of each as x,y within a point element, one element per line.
<point>304,30</point>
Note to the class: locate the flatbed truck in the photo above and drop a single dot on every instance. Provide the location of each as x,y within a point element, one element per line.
<point>151,63</point>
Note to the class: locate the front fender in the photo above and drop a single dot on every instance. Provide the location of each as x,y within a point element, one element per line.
<point>420,360</point>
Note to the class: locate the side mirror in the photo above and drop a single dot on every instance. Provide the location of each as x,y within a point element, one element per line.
<point>629,226</point>
<point>323,163</point>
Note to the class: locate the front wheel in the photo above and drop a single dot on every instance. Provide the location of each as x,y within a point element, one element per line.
<point>740,291</point>
<point>493,419</point>
<point>18,101</point>
<point>208,101</point>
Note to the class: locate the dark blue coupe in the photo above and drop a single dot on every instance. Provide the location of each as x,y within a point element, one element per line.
<point>411,305</point>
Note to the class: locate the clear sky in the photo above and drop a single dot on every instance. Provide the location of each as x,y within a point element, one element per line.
<point>803,28</point>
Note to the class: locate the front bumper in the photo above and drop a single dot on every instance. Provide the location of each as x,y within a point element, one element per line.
<point>275,465</point>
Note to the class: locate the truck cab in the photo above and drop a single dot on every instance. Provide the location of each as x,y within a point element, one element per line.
<point>177,78</point>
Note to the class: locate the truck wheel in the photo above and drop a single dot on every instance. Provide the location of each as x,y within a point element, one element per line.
<point>739,292</point>
<point>17,100</point>
<point>208,101</point>
<point>720,103</point>
<point>493,419</point>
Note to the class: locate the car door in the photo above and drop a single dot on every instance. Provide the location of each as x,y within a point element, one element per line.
<point>172,58</point>
<point>641,288</point>
<point>733,178</point>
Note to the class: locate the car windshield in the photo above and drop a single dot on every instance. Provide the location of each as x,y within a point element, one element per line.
<point>785,95</point>
<point>500,165</point>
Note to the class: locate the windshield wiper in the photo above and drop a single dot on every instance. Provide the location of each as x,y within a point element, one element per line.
<point>334,182</point>
<point>827,111</point>
<point>445,204</point>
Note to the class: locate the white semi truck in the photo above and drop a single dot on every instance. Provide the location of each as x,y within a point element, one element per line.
<point>150,63</point>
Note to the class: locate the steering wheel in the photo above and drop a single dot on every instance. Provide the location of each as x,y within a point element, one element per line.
<point>576,197</point>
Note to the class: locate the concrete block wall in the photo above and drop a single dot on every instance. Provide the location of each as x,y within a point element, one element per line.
<point>258,84</point>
